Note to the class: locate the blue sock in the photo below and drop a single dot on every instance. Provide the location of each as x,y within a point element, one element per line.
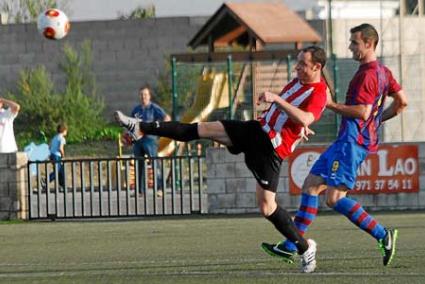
<point>304,217</point>
<point>359,217</point>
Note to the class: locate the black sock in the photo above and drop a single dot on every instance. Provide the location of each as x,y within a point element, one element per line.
<point>284,224</point>
<point>172,129</point>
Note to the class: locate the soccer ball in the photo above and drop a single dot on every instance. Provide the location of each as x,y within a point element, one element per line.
<point>53,24</point>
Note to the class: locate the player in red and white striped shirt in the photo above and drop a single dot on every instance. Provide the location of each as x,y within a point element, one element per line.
<point>265,143</point>
<point>283,130</point>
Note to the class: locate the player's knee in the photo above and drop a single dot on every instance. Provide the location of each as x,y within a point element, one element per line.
<point>313,185</point>
<point>208,129</point>
<point>202,129</point>
<point>305,189</point>
<point>263,209</point>
<point>266,208</point>
<point>311,190</point>
<point>331,201</point>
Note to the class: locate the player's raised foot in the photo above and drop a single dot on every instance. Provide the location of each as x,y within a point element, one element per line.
<point>278,250</point>
<point>129,123</point>
<point>387,245</point>
<point>308,258</point>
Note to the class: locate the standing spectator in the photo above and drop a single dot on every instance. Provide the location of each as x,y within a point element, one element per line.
<point>57,153</point>
<point>7,115</point>
<point>149,112</point>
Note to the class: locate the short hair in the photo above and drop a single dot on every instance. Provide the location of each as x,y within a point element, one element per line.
<point>61,127</point>
<point>318,54</point>
<point>146,86</point>
<point>368,32</point>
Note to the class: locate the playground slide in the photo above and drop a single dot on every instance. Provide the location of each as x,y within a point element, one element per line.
<point>212,93</point>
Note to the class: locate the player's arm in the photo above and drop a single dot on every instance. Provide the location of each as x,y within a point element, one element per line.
<point>297,115</point>
<point>397,105</point>
<point>361,111</point>
<point>14,107</point>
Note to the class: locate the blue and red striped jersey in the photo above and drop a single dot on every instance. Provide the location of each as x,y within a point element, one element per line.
<point>371,84</point>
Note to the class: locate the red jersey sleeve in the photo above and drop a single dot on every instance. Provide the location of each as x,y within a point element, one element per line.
<point>317,101</point>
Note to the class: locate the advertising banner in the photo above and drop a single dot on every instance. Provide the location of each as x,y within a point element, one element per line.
<point>393,169</point>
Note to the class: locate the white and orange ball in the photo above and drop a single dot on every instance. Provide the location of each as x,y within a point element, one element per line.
<point>53,24</point>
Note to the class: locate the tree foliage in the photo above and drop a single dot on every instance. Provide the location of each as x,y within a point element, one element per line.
<point>139,13</point>
<point>43,106</point>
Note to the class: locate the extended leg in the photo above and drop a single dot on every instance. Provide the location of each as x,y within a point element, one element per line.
<point>175,130</point>
<point>358,216</point>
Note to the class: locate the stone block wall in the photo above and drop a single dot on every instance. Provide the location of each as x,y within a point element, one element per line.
<point>13,186</point>
<point>231,187</point>
<point>126,53</point>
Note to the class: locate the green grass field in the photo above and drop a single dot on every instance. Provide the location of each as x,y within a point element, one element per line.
<point>202,249</point>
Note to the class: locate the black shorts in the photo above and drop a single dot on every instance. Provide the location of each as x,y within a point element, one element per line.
<point>260,157</point>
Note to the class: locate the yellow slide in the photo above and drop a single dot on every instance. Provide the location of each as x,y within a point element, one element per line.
<point>213,93</point>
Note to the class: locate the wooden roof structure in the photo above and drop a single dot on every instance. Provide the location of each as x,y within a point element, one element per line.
<point>254,25</point>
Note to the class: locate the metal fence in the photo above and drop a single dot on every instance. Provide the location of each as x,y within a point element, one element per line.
<point>88,188</point>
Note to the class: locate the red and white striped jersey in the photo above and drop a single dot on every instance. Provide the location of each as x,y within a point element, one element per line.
<point>283,132</point>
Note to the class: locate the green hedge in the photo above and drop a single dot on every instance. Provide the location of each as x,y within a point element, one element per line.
<point>43,106</point>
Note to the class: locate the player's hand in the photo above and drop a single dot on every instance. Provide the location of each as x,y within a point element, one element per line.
<point>305,132</point>
<point>267,97</point>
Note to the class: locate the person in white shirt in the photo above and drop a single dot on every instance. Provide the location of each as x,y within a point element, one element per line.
<point>8,112</point>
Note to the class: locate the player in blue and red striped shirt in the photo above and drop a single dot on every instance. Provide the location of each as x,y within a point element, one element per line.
<point>363,113</point>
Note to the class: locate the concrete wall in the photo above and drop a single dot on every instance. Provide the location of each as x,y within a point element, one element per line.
<point>126,54</point>
<point>231,187</point>
<point>13,186</point>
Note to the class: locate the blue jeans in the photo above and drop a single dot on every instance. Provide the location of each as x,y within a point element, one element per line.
<point>146,146</point>
<point>57,161</point>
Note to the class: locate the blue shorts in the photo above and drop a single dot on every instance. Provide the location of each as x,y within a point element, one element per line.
<point>339,163</point>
